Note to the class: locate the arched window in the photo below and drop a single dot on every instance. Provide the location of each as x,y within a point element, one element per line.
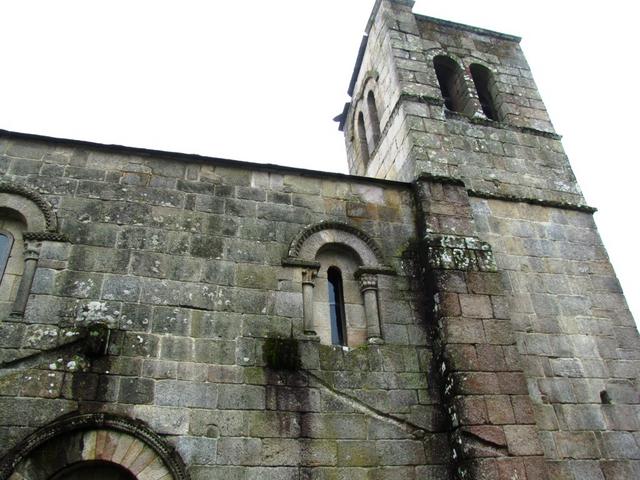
<point>6,242</point>
<point>29,219</point>
<point>452,84</point>
<point>485,86</point>
<point>339,317</point>
<point>12,262</point>
<point>339,275</point>
<point>336,306</point>
<point>95,470</point>
<point>374,120</point>
<point>362,139</point>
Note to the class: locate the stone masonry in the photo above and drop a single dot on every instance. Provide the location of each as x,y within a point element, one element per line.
<point>169,315</point>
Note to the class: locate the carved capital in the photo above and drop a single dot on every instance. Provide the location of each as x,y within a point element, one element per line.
<point>368,281</point>
<point>32,249</point>
<point>309,276</point>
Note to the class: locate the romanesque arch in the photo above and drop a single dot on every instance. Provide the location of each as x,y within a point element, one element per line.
<point>36,211</point>
<point>28,219</point>
<point>93,439</point>
<point>327,246</point>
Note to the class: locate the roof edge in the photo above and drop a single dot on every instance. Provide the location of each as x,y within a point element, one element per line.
<point>196,158</point>
<point>469,28</point>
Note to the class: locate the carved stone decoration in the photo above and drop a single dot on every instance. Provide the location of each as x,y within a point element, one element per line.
<point>297,250</point>
<point>46,236</point>
<point>93,437</point>
<point>42,204</point>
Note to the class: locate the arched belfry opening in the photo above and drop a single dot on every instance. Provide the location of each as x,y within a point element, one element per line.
<point>485,86</point>
<point>452,84</point>
<point>374,120</point>
<point>363,142</point>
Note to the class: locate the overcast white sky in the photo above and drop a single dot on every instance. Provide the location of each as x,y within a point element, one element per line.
<point>260,80</point>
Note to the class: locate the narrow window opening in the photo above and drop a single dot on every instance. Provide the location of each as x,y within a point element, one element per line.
<point>362,138</point>
<point>482,79</point>
<point>604,397</point>
<point>451,83</point>
<point>375,120</point>
<point>6,242</point>
<point>336,306</point>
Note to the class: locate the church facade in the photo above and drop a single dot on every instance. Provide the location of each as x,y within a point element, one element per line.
<point>446,311</point>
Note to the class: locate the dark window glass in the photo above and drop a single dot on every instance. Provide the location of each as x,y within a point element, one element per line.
<point>6,242</point>
<point>336,306</point>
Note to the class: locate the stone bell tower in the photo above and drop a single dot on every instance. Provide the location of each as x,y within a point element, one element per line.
<point>538,349</point>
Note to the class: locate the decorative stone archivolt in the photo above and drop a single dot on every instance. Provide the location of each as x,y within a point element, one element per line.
<point>304,250</point>
<point>36,210</point>
<point>80,439</point>
<point>307,243</point>
<point>41,225</point>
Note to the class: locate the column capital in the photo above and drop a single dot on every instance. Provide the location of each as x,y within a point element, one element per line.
<point>368,281</point>
<point>32,249</point>
<point>309,276</point>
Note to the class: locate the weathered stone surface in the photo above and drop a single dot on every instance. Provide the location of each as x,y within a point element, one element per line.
<point>495,341</point>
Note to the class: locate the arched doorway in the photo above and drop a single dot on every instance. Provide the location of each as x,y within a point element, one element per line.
<point>93,447</point>
<point>96,470</point>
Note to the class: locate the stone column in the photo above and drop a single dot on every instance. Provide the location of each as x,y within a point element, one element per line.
<point>369,289</point>
<point>31,255</point>
<point>308,283</point>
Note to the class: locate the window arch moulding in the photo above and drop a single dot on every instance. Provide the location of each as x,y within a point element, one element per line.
<point>39,219</point>
<point>304,251</point>
<point>39,224</point>
<point>128,444</point>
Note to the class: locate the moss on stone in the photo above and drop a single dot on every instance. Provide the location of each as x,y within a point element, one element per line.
<point>281,353</point>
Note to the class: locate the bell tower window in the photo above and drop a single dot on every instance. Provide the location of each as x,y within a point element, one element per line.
<point>374,120</point>
<point>452,85</point>
<point>362,138</point>
<point>485,87</point>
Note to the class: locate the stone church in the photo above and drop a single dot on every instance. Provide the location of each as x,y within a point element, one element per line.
<point>445,311</point>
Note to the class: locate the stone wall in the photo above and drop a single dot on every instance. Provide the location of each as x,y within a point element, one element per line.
<point>181,258</point>
<point>176,301</point>
<point>576,335</point>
